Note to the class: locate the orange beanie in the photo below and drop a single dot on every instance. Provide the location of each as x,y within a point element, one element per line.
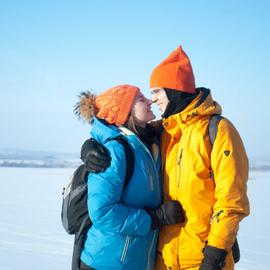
<point>174,72</point>
<point>114,105</point>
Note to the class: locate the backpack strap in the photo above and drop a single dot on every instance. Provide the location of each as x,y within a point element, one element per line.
<point>130,160</point>
<point>213,127</point>
<point>212,132</point>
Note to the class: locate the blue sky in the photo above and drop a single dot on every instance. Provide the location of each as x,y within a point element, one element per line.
<point>52,50</point>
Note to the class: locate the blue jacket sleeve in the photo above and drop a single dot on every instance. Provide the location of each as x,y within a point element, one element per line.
<point>104,194</point>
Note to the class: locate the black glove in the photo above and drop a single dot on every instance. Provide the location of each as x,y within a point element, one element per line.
<point>170,212</point>
<point>95,156</point>
<point>214,258</point>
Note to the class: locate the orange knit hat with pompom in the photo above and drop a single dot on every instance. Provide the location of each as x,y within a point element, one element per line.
<point>174,72</point>
<point>114,105</point>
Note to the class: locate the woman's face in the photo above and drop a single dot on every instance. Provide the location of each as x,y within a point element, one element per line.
<point>141,110</point>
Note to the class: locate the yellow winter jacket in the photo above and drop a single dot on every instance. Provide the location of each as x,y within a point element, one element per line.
<point>209,182</point>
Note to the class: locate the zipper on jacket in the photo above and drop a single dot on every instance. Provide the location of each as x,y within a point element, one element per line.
<point>126,132</point>
<point>153,162</point>
<point>156,172</point>
<point>151,180</point>
<point>216,216</point>
<point>179,165</point>
<point>149,251</point>
<point>125,249</point>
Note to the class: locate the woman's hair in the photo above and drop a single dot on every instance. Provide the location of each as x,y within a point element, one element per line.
<point>130,124</point>
<point>86,108</point>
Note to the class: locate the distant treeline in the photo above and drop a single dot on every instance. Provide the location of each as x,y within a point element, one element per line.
<point>260,168</point>
<point>38,165</point>
<point>70,164</point>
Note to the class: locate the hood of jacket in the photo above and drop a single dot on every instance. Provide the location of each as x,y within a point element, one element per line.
<point>103,132</point>
<point>202,106</point>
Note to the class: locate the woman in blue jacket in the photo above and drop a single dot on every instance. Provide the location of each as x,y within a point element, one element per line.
<point>125,220</point>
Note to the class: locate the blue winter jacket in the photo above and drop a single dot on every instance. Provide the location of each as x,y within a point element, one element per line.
<point>121,235</point>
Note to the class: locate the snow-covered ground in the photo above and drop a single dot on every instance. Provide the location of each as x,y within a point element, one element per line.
<point>254,233</point>
<point>32,237</point>
<point>31,233</point>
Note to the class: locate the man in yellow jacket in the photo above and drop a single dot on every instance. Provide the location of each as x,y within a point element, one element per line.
<point>210,181</point>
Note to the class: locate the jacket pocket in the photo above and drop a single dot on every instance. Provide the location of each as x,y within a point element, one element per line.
<point>125,249</point>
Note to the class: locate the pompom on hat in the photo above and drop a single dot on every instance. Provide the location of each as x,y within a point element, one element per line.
<point>114,105</point>
<point>174,72</point>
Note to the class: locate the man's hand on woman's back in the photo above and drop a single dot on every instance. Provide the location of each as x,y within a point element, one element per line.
<point>95,156</point>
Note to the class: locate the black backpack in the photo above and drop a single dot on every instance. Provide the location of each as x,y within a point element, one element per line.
<point>212,132</point>
<point>74,215</point>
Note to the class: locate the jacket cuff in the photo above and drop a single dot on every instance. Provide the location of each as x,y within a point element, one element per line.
<point>219,242</point>
<point>154,219</point>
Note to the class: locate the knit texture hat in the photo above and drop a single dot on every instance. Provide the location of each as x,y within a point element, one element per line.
<point>114,105</point>
<point>174,72</point>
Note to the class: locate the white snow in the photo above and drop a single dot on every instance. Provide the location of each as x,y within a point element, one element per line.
<point>254,234</point>
<point>32,236</point>
<point>31,233</point>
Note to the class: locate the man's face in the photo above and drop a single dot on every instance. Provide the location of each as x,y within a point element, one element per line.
<point>160,98</point>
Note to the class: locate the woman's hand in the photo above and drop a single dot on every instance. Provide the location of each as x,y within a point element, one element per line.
<point>170,212</point>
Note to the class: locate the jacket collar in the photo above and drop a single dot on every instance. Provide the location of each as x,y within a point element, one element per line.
<point>202,106</point>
